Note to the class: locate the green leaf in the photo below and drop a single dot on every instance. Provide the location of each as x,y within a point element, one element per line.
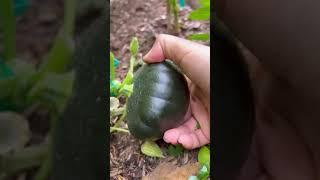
<point>202,13</point>
<point>14,132</point>
<point>14,88</point>
<point>112,69</point>
<point>53,90</point>
<point>203,173</point>
<point>114,87</point>
<point>126,90</point>
<point>175,150</point>
<point>59,56</point>
<point>8,28</point>
<point>204,156</point>
<point>199,37</point>
<point>150,148</point>
<point>204,3</point>
<point>134,47</point>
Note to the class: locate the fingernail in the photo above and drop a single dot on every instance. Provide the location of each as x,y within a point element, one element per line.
<point>155,54</point>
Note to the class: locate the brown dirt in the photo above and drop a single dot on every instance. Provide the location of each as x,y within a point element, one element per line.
<point>37,28</point>
<point>142,19</point>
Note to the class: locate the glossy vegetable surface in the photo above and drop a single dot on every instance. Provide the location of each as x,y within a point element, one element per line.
<point>159,101</point>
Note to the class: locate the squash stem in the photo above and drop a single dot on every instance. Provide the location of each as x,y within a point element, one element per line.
<point>118,129</point>
<point>122,117</point>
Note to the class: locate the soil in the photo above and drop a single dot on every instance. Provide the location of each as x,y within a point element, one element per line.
<point>142,19</point>
<point>37,28</point>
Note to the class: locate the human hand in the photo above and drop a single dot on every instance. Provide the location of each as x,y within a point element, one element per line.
<point>194,60</point>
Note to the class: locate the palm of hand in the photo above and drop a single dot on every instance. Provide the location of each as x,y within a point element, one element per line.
<point>189,134</point>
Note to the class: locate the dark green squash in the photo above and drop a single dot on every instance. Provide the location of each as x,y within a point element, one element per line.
<point>159,101</point>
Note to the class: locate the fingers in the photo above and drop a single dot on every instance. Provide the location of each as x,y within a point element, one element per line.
<point>193,140</point>
<point>201,115</point>
<point>172,135</point>
<point>186,135</point>
<point>192,58</point>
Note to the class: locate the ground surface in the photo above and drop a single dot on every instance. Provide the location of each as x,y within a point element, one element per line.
<point>142,19</point>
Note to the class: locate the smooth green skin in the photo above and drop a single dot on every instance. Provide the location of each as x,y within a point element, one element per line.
<point>159,101</point>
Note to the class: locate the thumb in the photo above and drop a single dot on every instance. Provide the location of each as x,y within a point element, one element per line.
<point>192,58</point>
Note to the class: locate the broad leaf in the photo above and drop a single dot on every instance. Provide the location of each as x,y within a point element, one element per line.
<point>204,156</point>
<point>134,46</point>
<point>202,13</point>
<point>150,148</point>
<point>199,37</point>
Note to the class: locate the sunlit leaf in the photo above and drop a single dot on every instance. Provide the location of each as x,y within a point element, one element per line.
<point>150,148</point>
<point>134,46</point>
<point>204,3</point>
<point>202,13</point>
<point>199,37</point>
<point>126,90</point>
<point>204,156</point>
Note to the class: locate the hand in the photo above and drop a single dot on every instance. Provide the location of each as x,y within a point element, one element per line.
<point>194,61</point>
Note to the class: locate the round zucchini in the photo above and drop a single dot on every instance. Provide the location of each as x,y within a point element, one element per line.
<point>159,101</point>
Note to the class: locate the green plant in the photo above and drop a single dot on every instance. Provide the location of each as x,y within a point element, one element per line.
<point>175,151</point>
<point>204,160</point>
<point>173,16</point>
<point>200,14</point>
<point>123,88</point>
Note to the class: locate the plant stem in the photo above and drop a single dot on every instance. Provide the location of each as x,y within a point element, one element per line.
<point>44,170</point>
<point>118,129</point>
<point>169,15</point>
<point>8,26</point>
<point>112,69</point>
<point>117,124</point>
<point>69,17</point>
<point>176,16</point>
